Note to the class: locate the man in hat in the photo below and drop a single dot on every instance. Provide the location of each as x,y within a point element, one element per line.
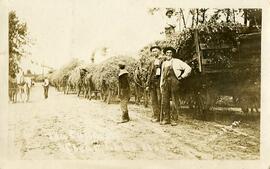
<point>28,85</point>
<point>170,23</point>
<point>123,91</point>
<point>46,84</point>
<point>153,81</point>
<point>173,72</point>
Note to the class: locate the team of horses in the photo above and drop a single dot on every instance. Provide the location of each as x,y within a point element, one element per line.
<point>81,83</point>
<point>19,88</point>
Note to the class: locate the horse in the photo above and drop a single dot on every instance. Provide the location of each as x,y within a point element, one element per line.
<point>13,89</point>
<point>140,78</point>
<point>89,86</point>
<point>23,87</point>
<point>81,83</point>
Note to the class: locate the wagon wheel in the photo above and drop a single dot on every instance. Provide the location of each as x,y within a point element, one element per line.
<point>249,102</point>
<point>203,100</point>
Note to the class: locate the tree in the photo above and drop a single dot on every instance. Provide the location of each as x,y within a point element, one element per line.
<point>254,16</point>
<point>17,39</point>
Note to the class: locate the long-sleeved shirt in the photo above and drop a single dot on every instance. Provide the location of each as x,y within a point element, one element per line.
<point>180,69</point>
<point>170,22</point>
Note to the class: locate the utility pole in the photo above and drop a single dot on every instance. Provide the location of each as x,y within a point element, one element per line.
<point>196,39</point>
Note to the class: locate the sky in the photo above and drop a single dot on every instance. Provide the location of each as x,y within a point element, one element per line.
<point>64,29</point>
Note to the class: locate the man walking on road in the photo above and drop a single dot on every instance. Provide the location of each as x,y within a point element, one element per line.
<point>123,92</point>
<point>153,82</point>
<point>27,87</point>
<point>46,87</point>
<point>173,72</point>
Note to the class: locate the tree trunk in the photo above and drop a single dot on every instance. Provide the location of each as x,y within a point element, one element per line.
<point>197,19</point>
<point>245,17</point>
<point>193,17</point>
<point>203,16</point>
<point>183,18</point>
<point>227,15</point>
<point>233,12</point>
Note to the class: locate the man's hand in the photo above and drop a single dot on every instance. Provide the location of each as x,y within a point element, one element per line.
<point>147,88</point>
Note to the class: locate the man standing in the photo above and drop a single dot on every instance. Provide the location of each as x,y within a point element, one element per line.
<point>170,23</point>
<point>173,72</point>
<point>153,82</point>
<point>27,87</point>
<point>123,92</point>
<point>46,87</point>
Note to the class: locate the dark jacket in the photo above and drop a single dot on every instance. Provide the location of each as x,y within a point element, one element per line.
<point>123,79</point>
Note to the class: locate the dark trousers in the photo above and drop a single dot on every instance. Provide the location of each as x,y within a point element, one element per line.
<point>124,99</point>
<point>155,99</point>
<point>46,91</point>
<point>170,92</point>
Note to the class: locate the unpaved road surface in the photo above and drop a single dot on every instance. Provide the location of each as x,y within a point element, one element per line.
<point>69,127</point>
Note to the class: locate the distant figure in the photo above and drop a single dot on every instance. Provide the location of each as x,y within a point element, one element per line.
<point>124,92</point>
<point>20,81</point>
<point>46,87</point>
<point>27,87</point>
<point>170,23</point>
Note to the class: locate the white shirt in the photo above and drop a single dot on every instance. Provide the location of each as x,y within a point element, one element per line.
<point>46,82</point>
<point>28,81</point>
<point>180,68</point>
<point>170,22</point>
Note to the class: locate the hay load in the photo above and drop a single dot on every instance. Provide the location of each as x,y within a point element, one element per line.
<point>107,71</point>
<point>57,76</point>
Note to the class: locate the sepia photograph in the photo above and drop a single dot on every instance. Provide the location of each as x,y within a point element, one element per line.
<point>95,80</point>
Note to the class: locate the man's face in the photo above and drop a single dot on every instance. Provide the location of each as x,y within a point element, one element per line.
<point>155,52</point>
<point>169,14</point>
<point>169,54</point>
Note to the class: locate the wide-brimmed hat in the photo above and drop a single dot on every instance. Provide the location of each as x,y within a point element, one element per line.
<point>169,48</point>
<point>121,65</point>
<point>155,47</point>
<point>169,10</point>
<point>84,69</point>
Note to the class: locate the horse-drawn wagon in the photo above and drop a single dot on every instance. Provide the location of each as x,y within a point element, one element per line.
<point>229,68</point>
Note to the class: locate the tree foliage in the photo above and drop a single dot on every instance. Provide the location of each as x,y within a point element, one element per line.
<point>17,39</point>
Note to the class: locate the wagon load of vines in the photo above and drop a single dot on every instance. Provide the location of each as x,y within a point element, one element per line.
<point>210,35</point>
<point>58,75</point>
<point>106,73</point>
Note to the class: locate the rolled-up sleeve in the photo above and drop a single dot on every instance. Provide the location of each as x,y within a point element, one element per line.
<point>186,70</point>
<point>181,69</point>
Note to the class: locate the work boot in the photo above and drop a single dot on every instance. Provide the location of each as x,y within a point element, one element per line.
<point>125,117</point>
<point>155,120</point>
<point>123,121</point>
<point>173,123</point>
<point>164,122</point>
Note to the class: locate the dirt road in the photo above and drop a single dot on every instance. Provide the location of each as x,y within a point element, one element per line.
<point>68,127</point>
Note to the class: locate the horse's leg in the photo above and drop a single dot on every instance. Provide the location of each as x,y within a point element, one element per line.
<point>15,95</point>
<point>27,94</point>
<point>20,93</point>
<point>24,93</point>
